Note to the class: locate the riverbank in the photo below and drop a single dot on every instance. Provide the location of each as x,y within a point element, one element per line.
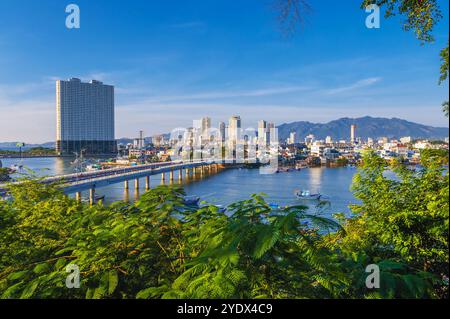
<point>26,156</point>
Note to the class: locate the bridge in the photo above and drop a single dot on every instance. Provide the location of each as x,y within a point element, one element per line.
<point>78,182</point>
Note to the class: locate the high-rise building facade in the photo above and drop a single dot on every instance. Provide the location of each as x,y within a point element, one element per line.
<point>222,131</point>
<point>234,128</point>
<point>85,117</point>
<point>205,129</point>
<point>292,137</point>
<point>353,133</point>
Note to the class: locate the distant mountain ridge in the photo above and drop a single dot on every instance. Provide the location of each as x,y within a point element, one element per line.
<point>338,129</point>
<point>367,126</point>
<point>12,146</point>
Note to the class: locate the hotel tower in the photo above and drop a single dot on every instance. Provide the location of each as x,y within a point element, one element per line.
<point>84,118</point>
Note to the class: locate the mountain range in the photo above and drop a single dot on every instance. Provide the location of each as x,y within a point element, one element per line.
<point>367,126</point>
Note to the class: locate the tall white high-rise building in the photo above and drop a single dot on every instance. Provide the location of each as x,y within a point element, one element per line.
<point>353,133</point>
<point>292,137</point>
<point>234,128</point>
<point>205,129</point>
<point>262,129</point>
<point>272,136</point>
<point>84,117</point>
<point>222,131</point>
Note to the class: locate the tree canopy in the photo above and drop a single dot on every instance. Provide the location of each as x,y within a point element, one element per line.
<point>159,247</point>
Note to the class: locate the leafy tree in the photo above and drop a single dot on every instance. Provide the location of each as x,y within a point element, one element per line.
<point>148,248</point>
<point>402,218</point>
<point>158,247</point>
<point>4,174</point>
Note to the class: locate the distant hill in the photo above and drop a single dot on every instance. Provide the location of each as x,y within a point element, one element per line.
<point>12,146</point>
<point>365,127</point>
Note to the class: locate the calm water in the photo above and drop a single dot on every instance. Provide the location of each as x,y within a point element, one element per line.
<point>229,185</point>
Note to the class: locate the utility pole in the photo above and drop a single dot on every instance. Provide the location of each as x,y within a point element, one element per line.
<point>20,145</point>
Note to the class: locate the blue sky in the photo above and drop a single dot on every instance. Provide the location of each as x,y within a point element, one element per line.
<point>175,61</point>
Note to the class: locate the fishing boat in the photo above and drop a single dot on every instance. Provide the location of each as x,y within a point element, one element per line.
<point>305,194</point>
<point>15,168</point>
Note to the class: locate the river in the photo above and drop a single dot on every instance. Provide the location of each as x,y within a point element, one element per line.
<point>230,184</point>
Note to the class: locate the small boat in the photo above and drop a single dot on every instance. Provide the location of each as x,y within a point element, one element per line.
<point>191,200</point>
<point>305,194</point>
<point>15,168</point>
<point>274,205</point>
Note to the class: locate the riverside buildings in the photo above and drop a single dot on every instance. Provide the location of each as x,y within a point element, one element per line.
<point>85,118</point>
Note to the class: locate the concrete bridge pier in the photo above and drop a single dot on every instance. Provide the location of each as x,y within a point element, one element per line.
<point>92,196</point>
<point>125,185</point>
<point>147,183</point>
<point>163,178</point>
<point>136,184</point>
<point>180,175</point>
<point>171,175</point>
<point>78,196</point>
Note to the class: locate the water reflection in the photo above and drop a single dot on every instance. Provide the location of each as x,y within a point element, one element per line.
<point>315,179</point>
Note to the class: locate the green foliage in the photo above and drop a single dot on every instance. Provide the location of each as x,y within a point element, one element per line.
<point>4,174</point>
<point>444,74</point>
<point>403,216</point>
<point>444,64</point>
<point>420,16</point>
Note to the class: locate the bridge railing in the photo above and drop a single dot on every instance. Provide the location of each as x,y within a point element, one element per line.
<point>136,167</point>
<point>155,170</point>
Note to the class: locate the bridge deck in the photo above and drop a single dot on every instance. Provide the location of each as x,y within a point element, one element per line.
<point>77,182</point>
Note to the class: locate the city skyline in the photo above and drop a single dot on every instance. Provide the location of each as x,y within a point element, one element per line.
<point>169,67</point>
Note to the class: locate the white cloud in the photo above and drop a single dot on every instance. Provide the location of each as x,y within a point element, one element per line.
<point>215,95</point>
<point>28,114</point>
<point>355,86</point>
